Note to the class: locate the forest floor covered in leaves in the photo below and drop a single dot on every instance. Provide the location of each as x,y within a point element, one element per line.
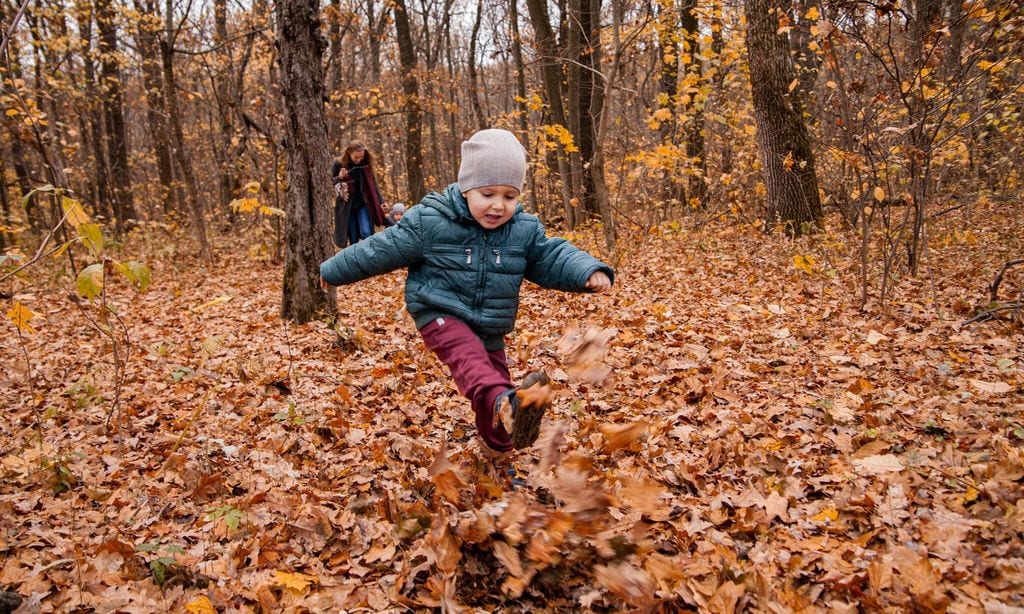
<point>760,443</point>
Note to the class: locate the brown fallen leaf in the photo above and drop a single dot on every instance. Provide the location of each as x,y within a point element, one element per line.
<point>584,353</point>
<point>619,436</point>
<point>632,585</point>
<point>446,478</point>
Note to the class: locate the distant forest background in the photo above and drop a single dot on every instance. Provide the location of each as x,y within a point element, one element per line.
<point>886,114</point>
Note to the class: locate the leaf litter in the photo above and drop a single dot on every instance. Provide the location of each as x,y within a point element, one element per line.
<point>714,444</point>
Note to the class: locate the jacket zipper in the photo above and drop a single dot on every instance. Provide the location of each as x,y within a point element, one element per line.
<point>482,272</point>
<point>469,255</point>
<point>497,256</point>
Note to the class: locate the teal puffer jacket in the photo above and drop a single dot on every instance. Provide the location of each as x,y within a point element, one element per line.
<point>457,268</point>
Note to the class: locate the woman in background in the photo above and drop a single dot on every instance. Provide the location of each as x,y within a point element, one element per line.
<point>359,205</point>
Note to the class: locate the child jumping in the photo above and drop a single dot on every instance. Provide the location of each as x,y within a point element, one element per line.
<point>468,250</point>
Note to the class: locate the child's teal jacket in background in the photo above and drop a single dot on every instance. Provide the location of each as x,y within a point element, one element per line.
<point>457,268</point>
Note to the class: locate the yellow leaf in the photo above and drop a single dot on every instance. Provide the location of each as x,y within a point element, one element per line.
<point>295,582</point>
<point>830,515</point>
<point>793,84</point>
<point>971,495</point>
<point>20,315</point>
<point>812,14</point>
<point>879,194</point>
<point>76,215</point>
<point>804,263</point>
<point>11,112</point>
<point>200,605</point>
<point>787,162</point>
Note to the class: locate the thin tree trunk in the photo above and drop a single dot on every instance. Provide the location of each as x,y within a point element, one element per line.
<point>102,198</point>
<point>178,140</point>
<point>229,182</point>
<point>156,108</point>
<point>551,74</point>
<point>717,47</point>
<point>413,114</point>
<point>474,91</point>
<point>308,210</point>
<point>374,25</point>
<point>697,185</point>
<point>523,111</point>
<point>113,113</point>
<point>918,107</point>
<point>784,143</point>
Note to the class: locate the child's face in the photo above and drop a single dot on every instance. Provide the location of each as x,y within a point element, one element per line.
<point>492,205</point>
<point>357,155</point>
<point>397,215</point>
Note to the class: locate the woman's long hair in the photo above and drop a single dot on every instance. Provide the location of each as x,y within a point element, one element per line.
<point>346,158</point>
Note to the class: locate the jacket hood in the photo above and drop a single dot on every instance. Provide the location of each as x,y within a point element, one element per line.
<point>454,206</point>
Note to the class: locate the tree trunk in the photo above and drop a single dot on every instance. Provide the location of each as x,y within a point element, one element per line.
<point>5,203</point>
<point>784,144</point>
<point>102,198</point>
<point>668,67</point>
<point>308,210</point>
<point>413,114</point>
<point>178,140</point>
<point>156,108</point>
<point>717,49</point>
<point>335,37</point>
<point>926,12</point>
<point>474,92</point>
<point>113,113</point>
<point>584,46</point>
<point>697,185</point>
<point>523,110</point>
<point>229,182</point>
<point>552,77</point>
<point>375,25</point>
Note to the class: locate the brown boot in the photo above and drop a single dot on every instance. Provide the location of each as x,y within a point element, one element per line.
<point>529,401</point>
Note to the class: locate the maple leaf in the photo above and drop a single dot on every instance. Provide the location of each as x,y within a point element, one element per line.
<point>632,585</point>
<point>295,582</point>
<point>776,506</point>
<point>20,315</point>
<point>804,262</point>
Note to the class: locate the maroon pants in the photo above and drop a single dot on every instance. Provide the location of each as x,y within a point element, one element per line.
<point>481,375</point>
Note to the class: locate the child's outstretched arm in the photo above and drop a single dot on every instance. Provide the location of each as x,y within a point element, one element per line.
<point>556,263</point>
<point>393,248</point>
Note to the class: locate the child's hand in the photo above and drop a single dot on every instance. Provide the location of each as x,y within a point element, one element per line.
<point>324,284</point>
<point>599,282</point>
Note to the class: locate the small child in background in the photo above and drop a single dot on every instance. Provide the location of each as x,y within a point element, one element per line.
<point>468,250</point>
<point>397,211</point>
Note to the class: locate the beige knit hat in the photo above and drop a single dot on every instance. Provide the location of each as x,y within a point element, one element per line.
<point>492,157</point>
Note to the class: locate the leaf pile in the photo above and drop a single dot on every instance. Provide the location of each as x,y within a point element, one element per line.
<point>729,433</point>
